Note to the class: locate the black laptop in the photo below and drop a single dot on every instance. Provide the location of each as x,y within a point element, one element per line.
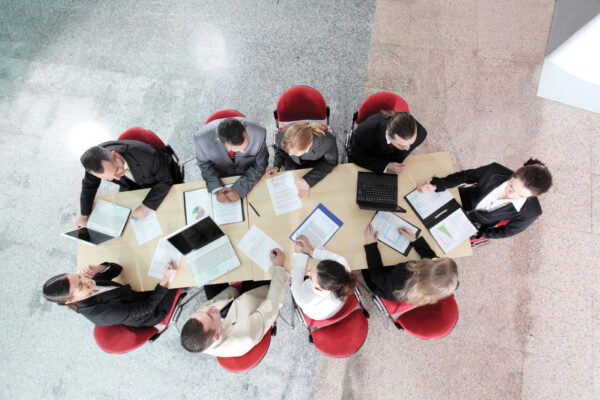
<point>377,191</point>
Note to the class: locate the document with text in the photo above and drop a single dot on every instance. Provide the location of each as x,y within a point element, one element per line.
<point>453,230</point>
<point>318,227</point>
<point>284,194</point>
<point>146,228</point>
<point>386,225</point>
<point>199,202</point>
<point>427,203</point>
<point>164,252</point>
<point>258,246</point>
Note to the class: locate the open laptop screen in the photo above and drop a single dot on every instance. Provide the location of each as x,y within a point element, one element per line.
<point>196,236</point>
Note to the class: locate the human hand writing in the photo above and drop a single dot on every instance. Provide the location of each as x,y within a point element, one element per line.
<point>370,234</point>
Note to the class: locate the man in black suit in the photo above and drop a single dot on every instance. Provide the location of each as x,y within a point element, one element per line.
<point>132,165</point>
<point>384,140</point>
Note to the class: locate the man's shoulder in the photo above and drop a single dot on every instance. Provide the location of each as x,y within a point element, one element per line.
<point>129,146</point>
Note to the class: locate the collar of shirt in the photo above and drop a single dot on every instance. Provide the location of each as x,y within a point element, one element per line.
<point>308,148</point>
<point>102,289</point>
<point>491,201</point>
<point>387,140</point>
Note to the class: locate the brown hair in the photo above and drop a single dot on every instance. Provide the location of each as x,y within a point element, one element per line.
<point>56,290</point>
<point>400,124</point>
<point>334,277</point>
<point>299,136</point>
<point>535,176</point>
<point>432,280</point>
<point>194,338</point>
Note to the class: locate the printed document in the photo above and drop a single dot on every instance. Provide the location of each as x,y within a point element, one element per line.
<point>452,230</point>
<point>429,202</point>
<point>258,246</point>
<point>284,193</point>
<point>146,228</point>
<point>386,225</point>
<point>164,252</point>
<point>318,228</point>
<point>199,203</point>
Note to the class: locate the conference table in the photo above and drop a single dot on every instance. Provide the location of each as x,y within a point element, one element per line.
<point>337,192</point>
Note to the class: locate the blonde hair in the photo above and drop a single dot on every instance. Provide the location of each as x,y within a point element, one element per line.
<point>432,280</point>
<point>299,136</point>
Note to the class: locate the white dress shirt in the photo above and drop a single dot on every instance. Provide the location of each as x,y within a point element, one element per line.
<point>491,201</point>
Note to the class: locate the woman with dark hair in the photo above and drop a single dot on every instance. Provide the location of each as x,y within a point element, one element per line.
<point>303,145</point>
<point>93,294</point>
<point>324,293</point>
<point>384,140</point>
<point>415,282</point>
<point>499,194</point>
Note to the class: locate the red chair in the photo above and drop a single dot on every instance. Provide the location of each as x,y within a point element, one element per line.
<point>301,103</point>
<point>376,103</point>
<point>224,114</point>
<point>119,339</point>
<point>251,358</point>
<point>341,335</point>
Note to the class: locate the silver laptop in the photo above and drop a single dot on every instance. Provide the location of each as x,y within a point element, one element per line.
<point>106,223</point>
<point>206,248</point>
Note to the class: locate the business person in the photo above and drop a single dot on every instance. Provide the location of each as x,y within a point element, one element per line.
<point>324,293</point>
<point>93,294</point>
<point>304,146</point>
<point>132,165</point>
<point>229,147</point>
<point>415,282</point>
<point>499,194</point>
<point>384,140</point>
<point>231,324</point>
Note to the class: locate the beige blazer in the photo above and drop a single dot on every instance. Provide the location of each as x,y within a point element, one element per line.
<point>250,315</point>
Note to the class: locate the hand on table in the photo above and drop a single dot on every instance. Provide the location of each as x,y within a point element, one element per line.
<point>303,188</point>
<point>303,245</point>
<point>139,212</point>
<point>169,272</point>
<point>426,187</point>
<point>80,221</point>
<point>270,171</point>
<point>404,231</point>
<point>227,195</point>
<point>370,235</point>
<point>394,168</point>
<point>277,257</point>
<point>90,270</point>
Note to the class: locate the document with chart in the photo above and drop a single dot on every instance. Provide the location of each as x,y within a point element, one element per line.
<point>199,202</point>
<point>318,227</point>
<point>386,225</point>
<point>442,215</point>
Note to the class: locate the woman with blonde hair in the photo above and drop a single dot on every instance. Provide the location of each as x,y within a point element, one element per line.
<point>415,282</point>
<point>305,145</point>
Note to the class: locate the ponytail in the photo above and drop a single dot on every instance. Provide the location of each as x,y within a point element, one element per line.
<point>300,135</point>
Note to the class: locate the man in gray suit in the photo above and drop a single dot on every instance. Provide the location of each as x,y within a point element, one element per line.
<point>228,147</point>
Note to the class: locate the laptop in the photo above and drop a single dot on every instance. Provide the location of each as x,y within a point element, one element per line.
<point>106,223</point>
<point>206,248</point>
<point>377,191</point>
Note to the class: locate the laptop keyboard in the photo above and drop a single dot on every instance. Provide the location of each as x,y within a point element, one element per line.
<point>217,255</point>
<point>377,193</point>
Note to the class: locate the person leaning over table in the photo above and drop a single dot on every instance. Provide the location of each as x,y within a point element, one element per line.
<point>132,165</point>
<point>229,147</point>
<point>500,194</point>
<point>304,146</point>
<point>414,282</point>
<point>324,293</point>
<point>93,294</point>
<point>231,324</point>
<point>384,140</point>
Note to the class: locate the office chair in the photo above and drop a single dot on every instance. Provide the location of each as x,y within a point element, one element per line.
<point>227,113</point>
<point>251,358</point>
<point>341,335</point>
<point>119,339</point>
<point>301,103</point>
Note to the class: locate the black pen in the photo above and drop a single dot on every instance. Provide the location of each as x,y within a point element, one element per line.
<point>254,209</point>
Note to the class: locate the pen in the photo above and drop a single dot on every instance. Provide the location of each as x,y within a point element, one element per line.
<point>274,252</point>
<point>254,209</point>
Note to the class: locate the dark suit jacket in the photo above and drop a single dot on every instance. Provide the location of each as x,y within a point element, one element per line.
<point>322,156</point>
<point>150,168</point>
<point>369,149</point>
<point>384,280</point>
<point>123,306</point>
<point>487,178</point>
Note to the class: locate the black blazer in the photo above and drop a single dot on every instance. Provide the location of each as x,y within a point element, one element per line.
<point>322,156</point>
<point>150,168</point>
<point>384,280</point>
<point>369,149</point>
<point>123,305</point>
<point>487,178</point>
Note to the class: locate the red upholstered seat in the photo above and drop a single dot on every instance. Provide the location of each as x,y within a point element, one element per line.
<point>118,339</point>
<point>344,337</point>
<point>224,114</point>
<point>395,307</point>
<point>143,135</point>
<point>377,102</point>
<point>301,103</point>
<point>248,360</point>
<point>349,306</point>
<point>432,321</point>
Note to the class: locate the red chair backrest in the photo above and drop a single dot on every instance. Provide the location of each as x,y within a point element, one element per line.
<point>248,360</point>
<point>349,306</point>
<point>224,114</point>
<point>395,307</point>
<point>432,321</point>
<point>301,103</point>
<point>378,102</point>
<point>118,339</point>
<point>343,338</point>
<point>143,135</point>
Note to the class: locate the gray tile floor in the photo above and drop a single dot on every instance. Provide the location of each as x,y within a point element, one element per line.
<point>74,73</point>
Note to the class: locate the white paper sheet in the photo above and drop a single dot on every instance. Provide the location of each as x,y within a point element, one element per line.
<point>226,213</point>
<point>258,246</point>
<point>284,194</point>
<point>387,224</point>
<point>197,204</point>
<point>427,203</point>
<point>164,252</point>
<point>146,228</point>
<point>452,230</point>
<point>318,228</point>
